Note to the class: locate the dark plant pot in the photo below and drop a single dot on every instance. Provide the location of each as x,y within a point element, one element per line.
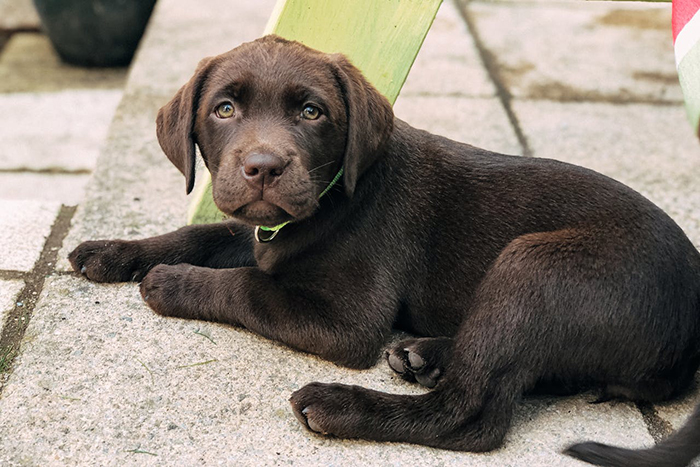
<point>100,33</point>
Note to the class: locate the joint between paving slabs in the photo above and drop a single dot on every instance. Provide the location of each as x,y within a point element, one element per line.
<point>606,99</point>
<point>10,275</point>
<point>658,427</point>
<point>491,65</point>
<point>46,171</point>
<point>18,319</point>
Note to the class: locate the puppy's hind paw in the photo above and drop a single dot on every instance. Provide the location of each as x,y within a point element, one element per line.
<point>420,360</point>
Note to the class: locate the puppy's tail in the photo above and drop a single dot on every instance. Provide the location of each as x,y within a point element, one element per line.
<point>678,450</point>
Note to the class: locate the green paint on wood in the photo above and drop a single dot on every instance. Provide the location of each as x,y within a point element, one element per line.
<point>202,209</point>
<point>688,74</point>
<point>381,38</point>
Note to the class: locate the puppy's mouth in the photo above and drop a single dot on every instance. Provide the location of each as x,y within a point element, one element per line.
<point>269,207</point>
<point>261,212</point>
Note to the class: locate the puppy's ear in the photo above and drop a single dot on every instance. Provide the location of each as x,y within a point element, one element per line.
<point>175,123</point>
<point>370,121</point>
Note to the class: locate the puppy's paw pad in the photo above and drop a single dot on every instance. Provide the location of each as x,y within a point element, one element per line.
<point>397,361</point>
<point>415,360</point>
<point>420,360</point>
<point>429,380</point>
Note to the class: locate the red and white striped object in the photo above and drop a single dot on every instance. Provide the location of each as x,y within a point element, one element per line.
<point>686,41</point>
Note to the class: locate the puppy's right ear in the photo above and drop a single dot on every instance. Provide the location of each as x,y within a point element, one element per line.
<point>175,123</point>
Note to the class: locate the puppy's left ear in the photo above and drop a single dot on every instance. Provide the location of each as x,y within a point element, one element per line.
<point>175,123</point>
<point>370,120</point>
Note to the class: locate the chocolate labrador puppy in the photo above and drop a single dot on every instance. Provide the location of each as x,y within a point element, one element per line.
<point>516,273</point>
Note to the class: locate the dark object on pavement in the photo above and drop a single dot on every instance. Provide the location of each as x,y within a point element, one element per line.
<point>99,33</point>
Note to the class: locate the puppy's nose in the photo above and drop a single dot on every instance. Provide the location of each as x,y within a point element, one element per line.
<point>262,169</point>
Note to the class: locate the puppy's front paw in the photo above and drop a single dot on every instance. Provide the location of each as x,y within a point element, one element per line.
<point>420,360</point>
<point>331,409</point>
<point>107,260</point>
<point>164,289</point>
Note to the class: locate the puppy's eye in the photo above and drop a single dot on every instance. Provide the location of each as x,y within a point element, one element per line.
<point>225,110</point>
<point>310,112</point>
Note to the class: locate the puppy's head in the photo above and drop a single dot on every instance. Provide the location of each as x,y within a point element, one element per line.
<point>275,121</point>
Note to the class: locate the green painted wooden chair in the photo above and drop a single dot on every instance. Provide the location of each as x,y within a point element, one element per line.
<point>381,38</point>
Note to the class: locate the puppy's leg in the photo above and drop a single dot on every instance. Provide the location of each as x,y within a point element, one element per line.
<point>219,245</point>
<point>347,325</point>
<point>550,307</point>
<point>420,360</point>
<point>494,359</point>
<point>470,410</point>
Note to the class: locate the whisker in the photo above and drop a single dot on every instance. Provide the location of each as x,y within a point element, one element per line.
<point>321,166</point>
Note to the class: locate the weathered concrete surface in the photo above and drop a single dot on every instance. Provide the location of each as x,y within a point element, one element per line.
<point>55,131</point>
<point>68,189</point>
<point>24,226</point>
<point>9,289</point>
<point>189,35</point>
<point>583,51</point>
<point>448,62</point>
<point>100,375</point>
<point>477,121</point>
<point>135,191</point>
<point>18,14</point>
<point>28,63</point>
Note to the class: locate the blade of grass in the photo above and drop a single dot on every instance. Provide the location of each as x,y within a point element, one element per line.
<point>204,334</point>
<point>199,363</point>
<point>140,451</point>
<point>147,369</point>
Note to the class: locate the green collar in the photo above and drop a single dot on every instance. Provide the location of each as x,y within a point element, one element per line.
<point>264,234</point>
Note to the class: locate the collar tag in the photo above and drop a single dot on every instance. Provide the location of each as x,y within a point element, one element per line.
<point>264,236</point>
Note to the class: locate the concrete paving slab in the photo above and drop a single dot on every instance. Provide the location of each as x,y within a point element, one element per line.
<point>68,189</point>
<point>100,376</point>
<point>9,289</point>
<point>480,122</point>
<point>448,62</point>
<point>178,29</point>
<point>28,63</point>
<point>583,51</point>
<point>18,14</point>
<point>135,191</point>
<point>24,227</point>
<point>55,131</point>
<point>648,147</point>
